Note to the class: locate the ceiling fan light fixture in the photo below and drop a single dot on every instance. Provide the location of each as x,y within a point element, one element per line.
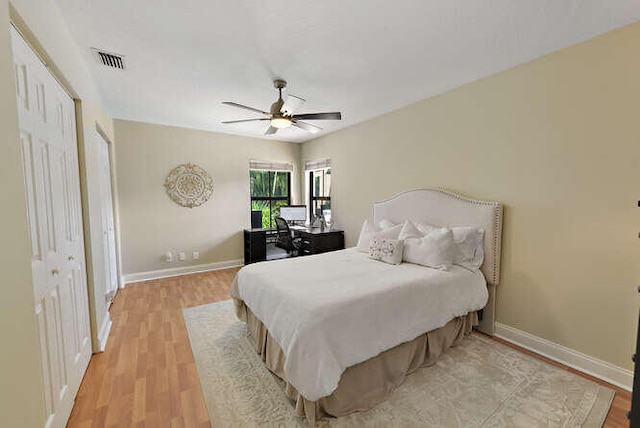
<point>280,122</point>
<point>282,113</point>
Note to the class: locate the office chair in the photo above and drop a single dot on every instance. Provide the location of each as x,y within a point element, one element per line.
<point>285,241</point>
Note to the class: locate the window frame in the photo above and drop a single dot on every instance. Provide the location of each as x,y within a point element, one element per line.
<point>313,198</point>
<point>270,199</point>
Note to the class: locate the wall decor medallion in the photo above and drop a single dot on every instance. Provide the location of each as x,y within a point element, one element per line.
<point>189,185</point>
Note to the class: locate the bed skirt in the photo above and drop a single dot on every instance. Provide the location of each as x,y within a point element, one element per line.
<point>363,385</point>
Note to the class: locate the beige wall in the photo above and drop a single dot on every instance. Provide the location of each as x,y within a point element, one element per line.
<point>21,396</point>
<point>557,140</point>
<point>152,224</point>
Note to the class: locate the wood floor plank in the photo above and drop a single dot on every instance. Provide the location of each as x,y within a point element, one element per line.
<point>147,376</point>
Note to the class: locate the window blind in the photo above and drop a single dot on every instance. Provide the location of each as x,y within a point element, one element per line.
<point>317,164</point>
<point>270,166</point>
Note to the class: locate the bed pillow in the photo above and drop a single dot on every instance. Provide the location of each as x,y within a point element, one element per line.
<point>385,224</point>
<point>410,230</point>
<point>366,232</point>
<point>469,243</point>
<point>386,250</point>
<point>369,230</point>
<point>435,249</point>
<point>469,247</point>
<point>392,232</point>
<point>426,227</point>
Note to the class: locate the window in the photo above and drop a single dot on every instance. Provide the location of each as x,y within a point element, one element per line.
<point>269,191</point>
<point>320,192</point>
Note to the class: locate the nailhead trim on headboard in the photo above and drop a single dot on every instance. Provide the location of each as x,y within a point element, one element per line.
<point>497,229</point>
<point>497,224</point>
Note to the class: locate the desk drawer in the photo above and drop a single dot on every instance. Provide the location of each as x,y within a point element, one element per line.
<point>317,243</point>
<point>306,245</point>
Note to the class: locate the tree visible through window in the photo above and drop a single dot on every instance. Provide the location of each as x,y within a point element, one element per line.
<point>270,190</point>
<point>320,192</point>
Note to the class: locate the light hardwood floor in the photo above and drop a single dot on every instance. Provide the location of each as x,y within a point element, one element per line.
<point>147,375</point>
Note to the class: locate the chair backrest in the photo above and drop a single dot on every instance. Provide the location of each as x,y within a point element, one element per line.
<point>282,227</point>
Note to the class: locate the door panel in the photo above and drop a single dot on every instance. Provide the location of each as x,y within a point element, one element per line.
<point>108,229</point>
<point>45,358</point>
<point>46,116</point>
<point>30,182</point>
<point>55,321</point>
<point>35,204</point>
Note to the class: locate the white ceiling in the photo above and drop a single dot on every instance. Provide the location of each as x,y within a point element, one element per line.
<point>361,57</point>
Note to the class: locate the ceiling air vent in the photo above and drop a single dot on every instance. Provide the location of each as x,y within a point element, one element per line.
<point>109,59</point>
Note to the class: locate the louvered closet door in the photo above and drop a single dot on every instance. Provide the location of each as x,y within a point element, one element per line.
<point>50,156</point>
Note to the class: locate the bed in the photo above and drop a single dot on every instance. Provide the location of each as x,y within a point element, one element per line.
<point>342,330</point>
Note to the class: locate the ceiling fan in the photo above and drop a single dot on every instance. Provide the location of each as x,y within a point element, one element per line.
<point>281,114</point>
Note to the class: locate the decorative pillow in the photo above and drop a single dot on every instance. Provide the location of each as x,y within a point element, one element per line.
<point>469,247</point>
<point>436,249</point>
<point>369,231</point>
<point>386,250</point>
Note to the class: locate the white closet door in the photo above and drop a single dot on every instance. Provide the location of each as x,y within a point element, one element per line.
<point>47,133</point>
<point>106,202</point>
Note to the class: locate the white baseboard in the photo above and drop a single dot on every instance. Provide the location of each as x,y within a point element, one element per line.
<point>103,334</point>
<point>601,369</point>
<point>182,270</point>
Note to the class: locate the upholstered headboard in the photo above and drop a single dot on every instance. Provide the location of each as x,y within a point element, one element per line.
<point>443,208</point>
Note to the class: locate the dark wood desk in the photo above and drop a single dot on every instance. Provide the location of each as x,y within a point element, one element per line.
<point>319,240</point>
<point>314,241</point>
<point>255,245</point>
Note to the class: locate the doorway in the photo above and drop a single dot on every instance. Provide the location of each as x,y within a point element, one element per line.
<point>110,271</point>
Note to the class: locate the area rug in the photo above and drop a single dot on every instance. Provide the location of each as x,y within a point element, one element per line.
<point>479,383</point>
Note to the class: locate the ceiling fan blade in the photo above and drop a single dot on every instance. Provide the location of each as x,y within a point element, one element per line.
<point>271,130</point>
<point>245,120</point>
<point>232,104</point>
<point>336,115</point>
<point>306,126</point>
<point>291,104</point>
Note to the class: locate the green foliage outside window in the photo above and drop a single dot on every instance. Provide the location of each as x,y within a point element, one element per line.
<point>270,210</point>
<point>269,191</point>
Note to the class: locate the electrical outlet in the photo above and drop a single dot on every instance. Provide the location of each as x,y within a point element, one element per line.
<point>195,255</point>
<point>168,257</point>
<point>181,256</point>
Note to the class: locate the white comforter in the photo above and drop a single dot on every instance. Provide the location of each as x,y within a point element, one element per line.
<point>331,311</point>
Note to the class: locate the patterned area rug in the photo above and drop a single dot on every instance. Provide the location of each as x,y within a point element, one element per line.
<point>479,383</point>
